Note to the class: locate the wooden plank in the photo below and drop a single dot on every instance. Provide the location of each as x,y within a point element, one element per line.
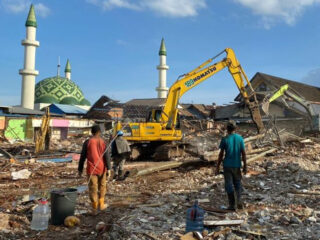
<point>250,160</point>
<point>258,150</point>
<point>5,175</point>
<point>248,139</point>
<point>150,205</point>
<point>6,154</point>
<point>223,223</point>
<point>188,236</point>
<point>150,236</point>
<point>256,234</point>
<point>215,235</point>
<point>305,193</point>
<point>217,210</point>
<point>166,166</point>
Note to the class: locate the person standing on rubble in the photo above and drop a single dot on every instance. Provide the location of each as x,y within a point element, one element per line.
<point>232,150</point>
<point>98,166</point>
<point>120,151</point>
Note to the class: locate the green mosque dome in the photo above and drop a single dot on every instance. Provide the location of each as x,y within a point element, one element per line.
<point>59,90</point>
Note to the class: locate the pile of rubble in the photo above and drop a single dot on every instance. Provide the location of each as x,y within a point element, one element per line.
<point>281,195</point>
<point>73,144</point>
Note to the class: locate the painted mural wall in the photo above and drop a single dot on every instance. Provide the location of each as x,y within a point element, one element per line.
<point>19,129</point>
<point>23,128</point>
<point>2,123</point>
<point>16,129</point>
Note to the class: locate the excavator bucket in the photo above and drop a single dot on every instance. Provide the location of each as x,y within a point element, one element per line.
<point>268,99</point>
<point>265,107</point>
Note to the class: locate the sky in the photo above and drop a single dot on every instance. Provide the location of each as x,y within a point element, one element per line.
<point>113,44</point>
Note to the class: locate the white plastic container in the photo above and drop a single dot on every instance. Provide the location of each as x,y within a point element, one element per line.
<point>40,216</point>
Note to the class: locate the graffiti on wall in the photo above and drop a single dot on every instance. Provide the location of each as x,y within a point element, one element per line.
<point>19,129</point>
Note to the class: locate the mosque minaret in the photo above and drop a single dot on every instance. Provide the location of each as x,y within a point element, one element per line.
<point>28,72</point>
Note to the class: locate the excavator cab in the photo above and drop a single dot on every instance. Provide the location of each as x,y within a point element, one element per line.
<point>154,115</point>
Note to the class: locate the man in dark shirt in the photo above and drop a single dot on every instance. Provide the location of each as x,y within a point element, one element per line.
<point>120,151</point>
<point>232,150</point>
<point>98,163</point>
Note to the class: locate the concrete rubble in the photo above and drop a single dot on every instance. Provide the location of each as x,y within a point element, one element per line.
<point>281,194</point>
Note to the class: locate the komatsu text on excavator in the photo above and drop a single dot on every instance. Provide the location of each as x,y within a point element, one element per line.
<point>161,132</point>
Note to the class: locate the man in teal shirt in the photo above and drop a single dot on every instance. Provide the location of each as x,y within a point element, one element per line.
<point>232,150</point>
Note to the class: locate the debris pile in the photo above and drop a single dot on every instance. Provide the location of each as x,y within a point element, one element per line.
<point>281,195</point>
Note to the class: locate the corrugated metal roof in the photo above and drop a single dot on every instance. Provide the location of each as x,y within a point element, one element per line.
<point>66,109</point>
<point>20,110</point>
<point>147,102</point>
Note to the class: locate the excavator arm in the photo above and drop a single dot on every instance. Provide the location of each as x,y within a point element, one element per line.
<point>200,74</point>
<point>285,91</point>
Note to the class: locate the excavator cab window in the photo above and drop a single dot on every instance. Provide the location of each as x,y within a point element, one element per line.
<point>149,117</point>
<point>154,116</point>
<point>157,115</point>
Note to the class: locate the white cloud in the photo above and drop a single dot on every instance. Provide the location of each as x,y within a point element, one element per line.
<point>42,10</point>
<point>312,77</point>
<point>15,6</point>
<point>22,6</point>
<point>121,42</point>
<point>273,11</point>
<point>109,4</point>
<point>172,8</point>
<point>175,8</point>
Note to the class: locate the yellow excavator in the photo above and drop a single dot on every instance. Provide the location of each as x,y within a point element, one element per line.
<point>162,133</point>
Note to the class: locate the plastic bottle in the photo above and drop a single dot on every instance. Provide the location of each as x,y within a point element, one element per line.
<point>40,216</point>
<point>195,217</point>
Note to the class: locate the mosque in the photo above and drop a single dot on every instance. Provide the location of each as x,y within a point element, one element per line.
<point>58,89</point>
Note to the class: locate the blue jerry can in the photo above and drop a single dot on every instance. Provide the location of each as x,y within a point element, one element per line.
<point>195,218</point>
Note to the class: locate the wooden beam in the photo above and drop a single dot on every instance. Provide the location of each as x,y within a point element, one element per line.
<point>248,139</point>
<point>305,193</point>
<point>258,150</point>
<point>166,166</point>
<point>250,160</point>
<point>223,223</point>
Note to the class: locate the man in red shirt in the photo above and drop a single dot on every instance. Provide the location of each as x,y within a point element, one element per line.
<point>98,163</point>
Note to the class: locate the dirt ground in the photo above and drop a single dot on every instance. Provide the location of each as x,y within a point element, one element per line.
<point>281,195</point>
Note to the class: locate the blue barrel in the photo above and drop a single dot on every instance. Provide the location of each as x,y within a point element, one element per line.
<point>195,217</point>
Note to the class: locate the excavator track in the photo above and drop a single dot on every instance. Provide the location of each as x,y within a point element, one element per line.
<point>160,151</point>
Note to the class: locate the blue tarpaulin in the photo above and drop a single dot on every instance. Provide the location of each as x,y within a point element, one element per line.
<point>55,160</point>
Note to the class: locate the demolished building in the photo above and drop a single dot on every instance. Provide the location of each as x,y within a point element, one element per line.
<point>286,112</point>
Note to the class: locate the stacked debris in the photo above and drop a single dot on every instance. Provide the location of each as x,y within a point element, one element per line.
<point>281,195</point>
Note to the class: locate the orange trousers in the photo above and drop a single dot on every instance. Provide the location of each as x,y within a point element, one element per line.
<point>97,187</point>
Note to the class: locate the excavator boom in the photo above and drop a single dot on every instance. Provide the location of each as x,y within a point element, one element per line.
<point>200,74</point>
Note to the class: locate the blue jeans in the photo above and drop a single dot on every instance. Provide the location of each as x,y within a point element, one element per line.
<point>232,180</point>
